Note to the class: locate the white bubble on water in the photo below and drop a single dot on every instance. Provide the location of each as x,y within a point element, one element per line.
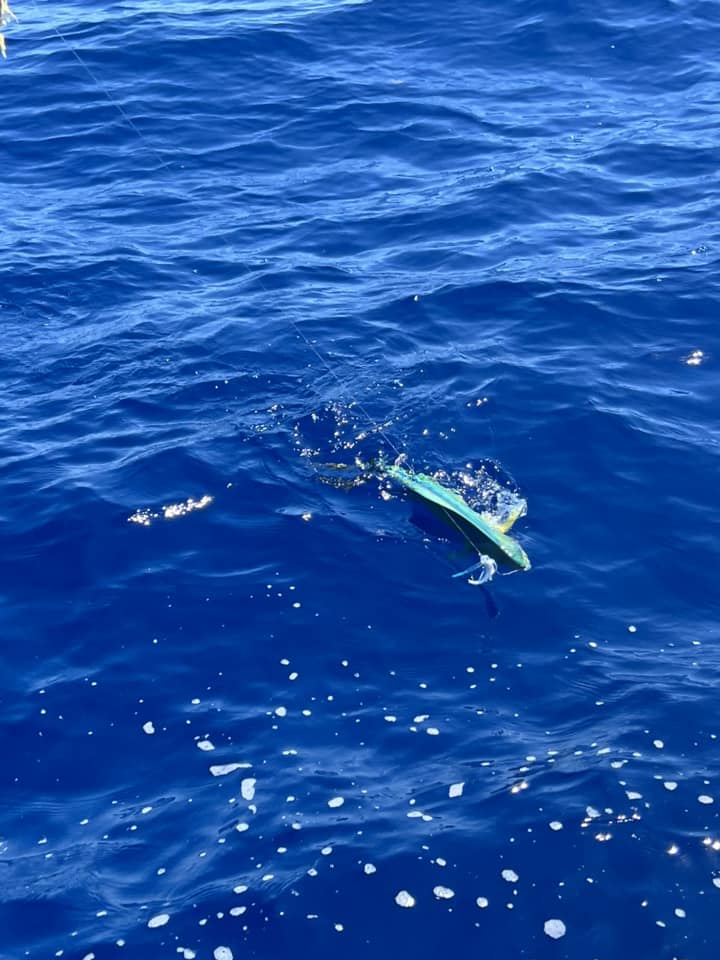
<point>704,798</point>
<point>456,790</point>
<point>158,921</point>
<point>148,727</point>
<point>510,876</point>
<point>482,902</point>
<point>716,881</point>
<point>247,788</point>
<point>679,912</point>
<point>223,769</point>
<point>404,899</point>
<point>326,851</point>
<point>280,711</point>
<point>670,785</point>
<point>658,744</point>
<point>555,825</point>
<point>242,827</point>
<point>223,953</point>
<point>205,745</point>
<point>443,893</point>
<point>336,802</point>
<point>369,869</point>
<point>554,929</point>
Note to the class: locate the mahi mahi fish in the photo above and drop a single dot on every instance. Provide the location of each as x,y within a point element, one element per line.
<point>485,533</point>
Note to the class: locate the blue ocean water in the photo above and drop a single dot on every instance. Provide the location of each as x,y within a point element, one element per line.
<point>240,239</point>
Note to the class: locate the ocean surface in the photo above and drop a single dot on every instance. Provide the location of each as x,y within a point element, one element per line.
<point>249,252</point>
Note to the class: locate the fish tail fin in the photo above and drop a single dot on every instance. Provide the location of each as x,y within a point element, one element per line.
<point>508,521</point>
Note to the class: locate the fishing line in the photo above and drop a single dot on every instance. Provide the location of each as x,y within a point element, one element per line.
<point>96,80</point>
<point>447,513</point>
<point>375,425</point>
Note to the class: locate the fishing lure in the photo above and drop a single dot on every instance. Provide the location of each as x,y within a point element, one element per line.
<point>485,533</point>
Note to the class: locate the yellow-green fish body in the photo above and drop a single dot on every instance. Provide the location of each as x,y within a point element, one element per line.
<point>484,533</point>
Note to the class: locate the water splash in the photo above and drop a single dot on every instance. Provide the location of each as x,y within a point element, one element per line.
<point>488,489</point>
<point>345,452</point>
<point>340,444</point>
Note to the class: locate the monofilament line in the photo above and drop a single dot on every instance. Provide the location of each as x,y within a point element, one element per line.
<point>375,425</point>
